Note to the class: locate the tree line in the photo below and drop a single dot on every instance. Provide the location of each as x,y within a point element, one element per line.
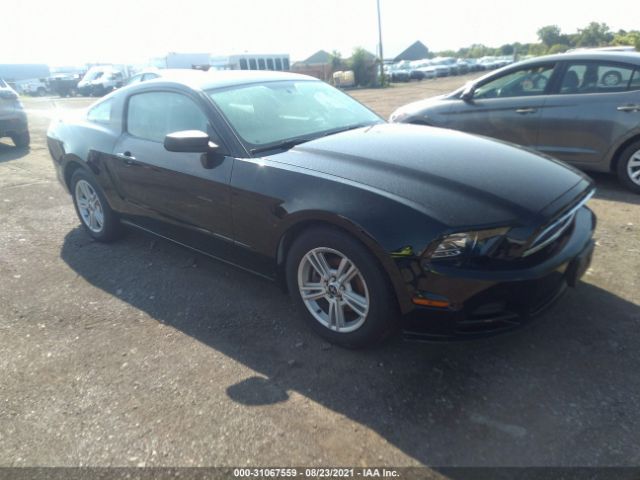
<point>553,40</point>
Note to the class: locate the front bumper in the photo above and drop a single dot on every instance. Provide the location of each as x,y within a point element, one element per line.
<point>14,125</point>
<point>489,302</point>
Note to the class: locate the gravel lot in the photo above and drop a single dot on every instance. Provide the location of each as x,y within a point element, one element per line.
<point>142,353</point>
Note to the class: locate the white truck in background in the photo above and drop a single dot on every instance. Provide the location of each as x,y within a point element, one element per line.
<point>102,79</point>
<point>33,87</point>
<point>198,61</point>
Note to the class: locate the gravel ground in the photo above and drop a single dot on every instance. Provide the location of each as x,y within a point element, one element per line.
<point>144,354</point>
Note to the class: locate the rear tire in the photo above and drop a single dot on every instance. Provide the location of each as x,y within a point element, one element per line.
<point>92,208</point>
<point>629,167</point>
<point>21,140</point>
<point>364,295</point>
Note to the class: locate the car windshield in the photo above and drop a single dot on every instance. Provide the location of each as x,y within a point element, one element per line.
<point>275,113</point>
<point>93,75</point>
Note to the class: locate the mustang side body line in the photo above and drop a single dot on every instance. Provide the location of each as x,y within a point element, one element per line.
<point>370,226</point>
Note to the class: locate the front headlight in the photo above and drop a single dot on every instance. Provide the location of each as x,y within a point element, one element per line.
<point>475,243</point>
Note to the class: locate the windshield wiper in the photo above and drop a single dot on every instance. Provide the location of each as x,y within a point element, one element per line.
<point>284,145</point>
<point>292,142</point>
<point>349,127</point>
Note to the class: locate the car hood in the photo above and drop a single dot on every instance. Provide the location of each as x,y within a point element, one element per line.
<point>456,178</point>
<point>418,108</point>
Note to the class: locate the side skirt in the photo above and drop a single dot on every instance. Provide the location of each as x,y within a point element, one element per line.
<point>144,229</point>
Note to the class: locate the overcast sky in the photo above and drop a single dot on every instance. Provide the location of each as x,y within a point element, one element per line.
<point>64,32</point>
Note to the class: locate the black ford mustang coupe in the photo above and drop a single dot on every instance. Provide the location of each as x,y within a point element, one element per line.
<point>370,226</point>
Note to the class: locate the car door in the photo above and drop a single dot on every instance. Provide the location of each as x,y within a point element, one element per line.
<point>184,196</point>
<point>506,106</point>
<point>596,104</point>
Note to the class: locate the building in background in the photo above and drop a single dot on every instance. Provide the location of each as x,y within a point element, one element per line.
<point>317,65</point>
<point>416,51</point>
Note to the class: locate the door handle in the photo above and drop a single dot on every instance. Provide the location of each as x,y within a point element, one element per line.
<point>628,108</point>
<point>126,158</point>
<point>524,111</point>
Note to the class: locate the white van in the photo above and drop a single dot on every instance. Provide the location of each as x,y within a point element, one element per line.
<point>102,79</point>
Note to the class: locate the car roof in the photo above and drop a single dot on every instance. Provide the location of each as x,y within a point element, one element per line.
<point>200,80</point>
<point>623,57</point>
<point>626,57</point>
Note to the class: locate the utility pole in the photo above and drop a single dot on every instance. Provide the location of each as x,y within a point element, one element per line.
<point>380,43</point>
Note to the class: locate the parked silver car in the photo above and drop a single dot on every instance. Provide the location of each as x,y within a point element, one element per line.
<point>13,119</point>
<point>582,108</point>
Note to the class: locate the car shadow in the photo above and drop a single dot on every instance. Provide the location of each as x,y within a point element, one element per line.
<point>9,152</point>
<point>553,393</point>
<point>609,188</point>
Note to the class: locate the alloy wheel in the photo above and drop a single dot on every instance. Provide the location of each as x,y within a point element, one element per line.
<point>333,290</point>
<point>633,168</point>
<point>89,206</point>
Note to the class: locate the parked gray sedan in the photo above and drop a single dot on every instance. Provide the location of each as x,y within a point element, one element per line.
<point>582,108</point>
<point>13,119</point>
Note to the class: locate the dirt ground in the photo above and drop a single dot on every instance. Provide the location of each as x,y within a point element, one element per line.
<point>144,354</point>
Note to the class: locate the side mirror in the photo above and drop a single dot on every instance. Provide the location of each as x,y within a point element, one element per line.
<point>467,93</point>
<point>189,141</point>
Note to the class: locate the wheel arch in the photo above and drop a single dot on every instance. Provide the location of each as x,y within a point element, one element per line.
<point>71,165</point>
<point>296,228</point>
<point>616,157</point>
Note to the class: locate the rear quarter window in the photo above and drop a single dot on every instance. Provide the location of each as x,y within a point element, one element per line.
<point>635,80</point>
<point>100,113</point>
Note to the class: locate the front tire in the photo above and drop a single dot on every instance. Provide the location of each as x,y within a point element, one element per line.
<point>341,289</point>
<point>92,208</point>
<point>21,140</point>
<point>629,167</point>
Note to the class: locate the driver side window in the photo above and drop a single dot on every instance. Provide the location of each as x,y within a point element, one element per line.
<point>153,115</point>
<point>524,82</point>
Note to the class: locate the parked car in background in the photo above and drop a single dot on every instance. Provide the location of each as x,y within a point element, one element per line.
<point>504,61</point>
<point>431,68</point>
<point>370,226</point>
<point>475,65</point>
<point>13,119</point>
<point>398,74</point>
<point>428,71</point>
<point>102,79</point>
<point>463,67</point>
<point>417,69</point>
<point>34,87</point>
<point>450,62</point>
<point>153,73</point>
<point>65,84</point>
<point>489,63</point>
<point>582,108</point>
<point>147,74</point>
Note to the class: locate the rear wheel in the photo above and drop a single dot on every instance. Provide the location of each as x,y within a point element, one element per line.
<point>343,292</point>
<point>21,140</point>
<point>95,214</point>
<point>629,167</point>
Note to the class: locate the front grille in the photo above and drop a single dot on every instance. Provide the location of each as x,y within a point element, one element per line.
<point>554,230</point>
